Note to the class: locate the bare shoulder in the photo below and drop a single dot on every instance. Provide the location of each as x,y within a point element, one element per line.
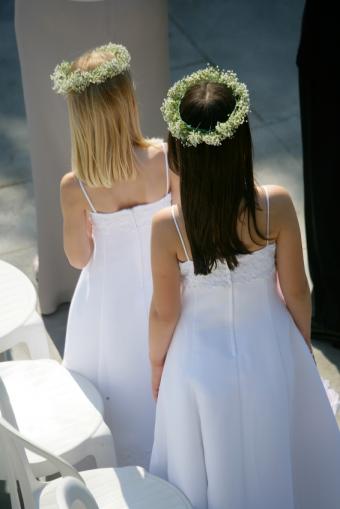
<point>160,152</point>
<point>163,225</point>
<point>282,210</point>
<point>70,190</point>
<point>156,149</point>
<point>151,157</point>
<point>163,219</point>
<point>164,234</point>
<point>280,200</point>
<point>69,181</point>
<point>279,196</point>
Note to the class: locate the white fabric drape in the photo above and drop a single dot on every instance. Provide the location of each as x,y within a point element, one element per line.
<point>48,32</point>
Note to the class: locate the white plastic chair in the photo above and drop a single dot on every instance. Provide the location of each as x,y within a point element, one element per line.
<point>19,320</point>
<point>71,492</point>
<point>32,334</point>
<point>60,409</point>
<point>104,488</point>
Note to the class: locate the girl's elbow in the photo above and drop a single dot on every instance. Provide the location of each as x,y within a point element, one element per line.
<point>78,256</point>
<point>76,265</point>
<point>77,262</point>
<point>168,315</point>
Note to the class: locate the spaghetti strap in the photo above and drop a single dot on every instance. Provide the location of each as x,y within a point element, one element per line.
<point>166,168</point>
<point>179,232</point>
<point>267,222</point>
<point>82,187</point>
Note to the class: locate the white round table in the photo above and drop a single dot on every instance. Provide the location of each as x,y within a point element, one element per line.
<point>18,298</point>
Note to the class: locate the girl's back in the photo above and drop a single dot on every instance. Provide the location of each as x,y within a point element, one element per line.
<point>243,420</point>
<point>119,180</point>
<point>151,183</point>
<point>106,337</point>
<point>238,378</point>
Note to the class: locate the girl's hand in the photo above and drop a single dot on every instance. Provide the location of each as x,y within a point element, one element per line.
<point>156,375</point>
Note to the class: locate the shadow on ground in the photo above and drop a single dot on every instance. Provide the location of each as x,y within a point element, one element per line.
<point>330,351</point>
<point>56,326</point>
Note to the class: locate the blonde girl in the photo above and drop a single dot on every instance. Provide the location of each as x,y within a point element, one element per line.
<point>119,179</point>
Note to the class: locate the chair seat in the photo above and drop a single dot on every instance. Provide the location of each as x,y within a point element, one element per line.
<point>54,407</point>
<point>123,488</point>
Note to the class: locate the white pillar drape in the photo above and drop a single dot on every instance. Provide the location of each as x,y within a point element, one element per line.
<point>47,32</point>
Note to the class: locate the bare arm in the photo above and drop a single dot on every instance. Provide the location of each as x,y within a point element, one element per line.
<point>290,264</point>
<point>78,243</point>
<point>166,302</point>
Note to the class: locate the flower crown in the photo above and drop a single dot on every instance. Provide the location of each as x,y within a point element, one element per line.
<point>191,136</point>
<point>66,80</point>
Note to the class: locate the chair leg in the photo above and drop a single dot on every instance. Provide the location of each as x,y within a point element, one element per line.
<point>101,447</point>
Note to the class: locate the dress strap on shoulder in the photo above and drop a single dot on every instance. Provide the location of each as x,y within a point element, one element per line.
<point>82,187</point>
<point>166,165</point>
<point>179,232</point>
<point>267,208</point>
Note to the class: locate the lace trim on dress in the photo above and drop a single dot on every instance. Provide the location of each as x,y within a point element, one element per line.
<point>258,265</point>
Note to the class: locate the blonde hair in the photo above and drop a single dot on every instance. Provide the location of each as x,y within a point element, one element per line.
<point>104,124</point>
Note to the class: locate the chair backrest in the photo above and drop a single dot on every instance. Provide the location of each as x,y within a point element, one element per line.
<point>72,494</point>
<point>6,409</point>
<point>14,459</point>
<point>17,468</point>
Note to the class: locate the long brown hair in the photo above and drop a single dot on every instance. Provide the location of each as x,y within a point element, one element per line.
<point>216,182</point>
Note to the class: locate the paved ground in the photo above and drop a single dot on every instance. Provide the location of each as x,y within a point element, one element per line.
<point>256,38</point>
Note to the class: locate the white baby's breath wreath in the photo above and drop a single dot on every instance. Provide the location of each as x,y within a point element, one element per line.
<point>65,80</point>
<point>190,136</point>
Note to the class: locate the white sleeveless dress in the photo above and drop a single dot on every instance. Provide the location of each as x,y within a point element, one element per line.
<point>243,420</point>
<point>107,329</point>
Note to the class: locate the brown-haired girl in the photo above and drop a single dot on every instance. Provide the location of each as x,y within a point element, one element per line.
<point>243,420</point>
